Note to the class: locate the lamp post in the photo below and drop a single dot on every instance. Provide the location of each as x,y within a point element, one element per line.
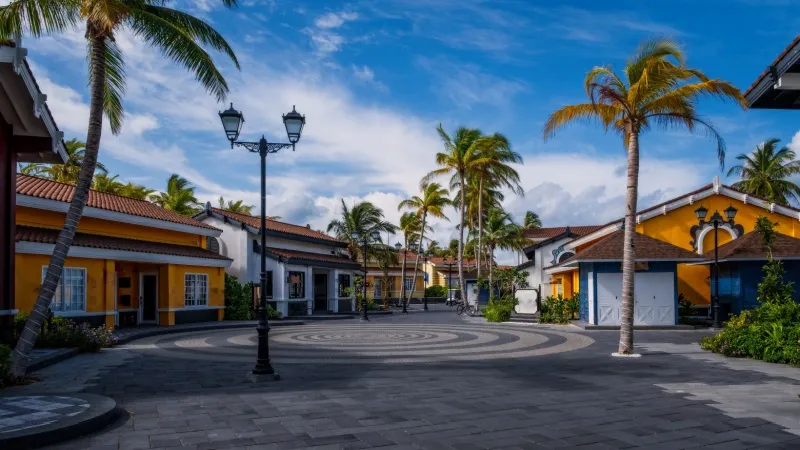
<point>364,238</point>
<point>425,282</point>
<point>399,248</point>
<point>716,220</point>
<point>232,121</point>
<point>449,263</point>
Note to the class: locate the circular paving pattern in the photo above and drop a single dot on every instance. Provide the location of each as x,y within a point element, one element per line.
<point>369,343</point>
<point>22,413</point>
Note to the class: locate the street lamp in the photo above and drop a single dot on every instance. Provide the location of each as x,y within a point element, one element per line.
<point>716,220</point>
<point>425,281</point>
<point>449,263</point>
<point>232,121</point>
<point>365,238</point>
<point>399,247</point>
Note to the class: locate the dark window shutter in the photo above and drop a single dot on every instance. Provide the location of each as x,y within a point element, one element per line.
<point>212,244</point>
<point>269,284</point>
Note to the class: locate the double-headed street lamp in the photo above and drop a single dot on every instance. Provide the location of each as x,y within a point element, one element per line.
<point>425,280</point>
<point>449,274</point>
<point>232,121</point>
<point>716,220</point>
<point>365,239</point>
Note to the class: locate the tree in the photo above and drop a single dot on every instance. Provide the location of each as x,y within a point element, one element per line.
<point>178,197</point>
<point>179,37</point>
<point>135,191</point>
<point>104,183</point>
<point>411,227</point>
<point>501,233</point>
<point>237,207</point>
<point>656,88</point>
<point>766,173</point>
<point>386,258</point>
<point>461,154</point>
<point>362,219</point>
<point>433,200</point>
<point>63,173</point>
<point>532,221</point>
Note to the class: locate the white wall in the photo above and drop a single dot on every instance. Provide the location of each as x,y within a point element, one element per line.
<point>543,258</point>
<point>233,244</point>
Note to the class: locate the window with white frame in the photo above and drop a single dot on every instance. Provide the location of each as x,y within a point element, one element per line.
<point>378,292</point>
<point>70,293</point>
<point>195,289</point>
<point>297,284</point>
<point>409,284</point>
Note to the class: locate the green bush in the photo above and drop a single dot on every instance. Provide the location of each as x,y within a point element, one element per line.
<point>273,314</point>
<point>5,364</point>
<point>558,309</point>
<point>499,310</point>
<point>436,291</point>
<point>238,299</point>
<point>60,332</point>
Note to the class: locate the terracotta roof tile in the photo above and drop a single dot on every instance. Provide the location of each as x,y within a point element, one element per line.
<point>308,256</point>
<point>647,248</point>
<point>274,225</point>
<point>750,246</point>
<point>62,192</point>
<point>439,261</point>
<point>49,236</point>
<point>550,232</point>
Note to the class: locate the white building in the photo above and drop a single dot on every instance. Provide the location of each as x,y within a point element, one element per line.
<point>307,270</point>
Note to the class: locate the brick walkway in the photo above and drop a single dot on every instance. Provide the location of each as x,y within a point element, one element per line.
<point>422,381</point>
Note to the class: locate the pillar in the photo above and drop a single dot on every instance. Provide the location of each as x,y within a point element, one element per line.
<point>110,293</point>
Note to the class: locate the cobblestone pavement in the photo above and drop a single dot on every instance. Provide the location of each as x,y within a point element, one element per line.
<point>428,381</point>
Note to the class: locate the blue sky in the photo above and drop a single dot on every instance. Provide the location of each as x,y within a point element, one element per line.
<point>375,78</point>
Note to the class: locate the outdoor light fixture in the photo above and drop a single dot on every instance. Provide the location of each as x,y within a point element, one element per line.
<point>701,212</point>
<point>716,221</point>
<point>398,246</point>
<point>232,121</point>
<point>730,212</point>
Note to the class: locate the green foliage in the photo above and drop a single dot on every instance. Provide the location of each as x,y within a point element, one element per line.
<point>558,309</point>
<point>60,332</point>
<point>238,299</point>
<point>766,228</point>
<point>685,306</point>
<point>273,314</point>
<point>770,332</point>
<point>436,291</point>
<point>499,310</point>
<point>5,364</point>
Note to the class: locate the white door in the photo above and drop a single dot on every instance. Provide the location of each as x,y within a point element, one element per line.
<point>655,298</point>
<point>609,298</point>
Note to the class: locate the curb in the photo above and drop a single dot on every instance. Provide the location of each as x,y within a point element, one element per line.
<point>321,318</point>
<point>172,330</point>
<point>51,359</point>
<point>103,410</point>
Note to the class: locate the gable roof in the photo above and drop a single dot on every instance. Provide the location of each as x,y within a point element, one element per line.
<point>750,247</point>
<point>62,192</point>
<point>318,259</point>
<point>272,225</point>
<point>648,248</point>
<point>763,94</point>
<point>551,232</point>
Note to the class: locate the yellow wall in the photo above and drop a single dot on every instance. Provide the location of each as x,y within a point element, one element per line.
<point>52,219</point>
<point>28,279</point>
<point>395,287</point>
<point>568,281</point>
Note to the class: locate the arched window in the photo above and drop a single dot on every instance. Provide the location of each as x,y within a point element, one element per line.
<point>563,257</point>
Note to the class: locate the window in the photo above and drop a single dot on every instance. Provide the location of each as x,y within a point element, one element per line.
<point>195,289</point>
<point>256,247</point>
<point>378,292</point>
<point>70,293</point>
<point>344,284</point>
<point>297,285</point>
<point>409,284</point>
<point>269,284</point>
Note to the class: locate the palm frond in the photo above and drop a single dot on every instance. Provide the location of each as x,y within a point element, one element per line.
<point>38,17</point>
<point>587,112</point>
<point>114,85</point>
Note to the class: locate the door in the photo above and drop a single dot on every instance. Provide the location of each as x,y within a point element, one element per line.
<point>609,298</point>
<point>655,298</point>
<point>320,292</point>
<point>148,297</point>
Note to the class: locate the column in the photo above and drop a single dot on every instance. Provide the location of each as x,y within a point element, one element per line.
<point>279,288</point>
<point>309,287</point>
<point>333,289</point>
<point>110,294</point>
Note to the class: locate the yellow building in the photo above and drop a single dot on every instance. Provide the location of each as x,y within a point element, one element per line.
<point>385,284</point>
<point>132,262</point>
<point>442,271</point>
<point>673,249</point>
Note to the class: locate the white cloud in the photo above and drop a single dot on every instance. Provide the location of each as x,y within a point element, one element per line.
<point>795,143</point>
<point>335,20</point>
<point>467,85</point>
<point>323,37</point>
<point>365,74</point>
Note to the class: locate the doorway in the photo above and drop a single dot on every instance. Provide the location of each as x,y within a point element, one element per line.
<point>321,292</point>
<point>148,298</point>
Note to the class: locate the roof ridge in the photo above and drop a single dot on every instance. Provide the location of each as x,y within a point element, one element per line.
<point>90,189</point>
<point>259,217</point>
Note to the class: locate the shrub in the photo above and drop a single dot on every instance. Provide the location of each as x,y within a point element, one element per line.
<point>499,310</point>
<point>238,300</point>
<point>685,306</point>
<point>5,364</point>
<point>559,310</point>
<point>436,291</point>
<point>273,314</point>
<point>60,332</point>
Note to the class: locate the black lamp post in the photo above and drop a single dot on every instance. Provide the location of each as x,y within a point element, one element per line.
<point>425,282</point>
<point>449,263</point>
<point>399,248</point>
<point>232,121</point>
<point>716,220</point>
<point>365,238</point>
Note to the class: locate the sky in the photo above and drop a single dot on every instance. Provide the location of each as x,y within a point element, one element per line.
<point>376,77</point>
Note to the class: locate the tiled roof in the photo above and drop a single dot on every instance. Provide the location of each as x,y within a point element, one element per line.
<point>439,261</point>
<point>308,256</point>
<point>749,246</point>
<point>550,232</point>
<point>49,236</point>
<point>774,63</point>
<point>274,225</point>
<point>647,248</point>
<point>62,192</point>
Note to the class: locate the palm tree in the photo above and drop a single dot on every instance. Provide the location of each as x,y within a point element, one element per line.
<point>433,200</point>
<point>434,248</point>
<point>104,183</point>
<point>386,258</point>
<point>135,191</point>
<point>765,173</point>
<point>501,233</point>
<point>656,88</point>
<point>362,219</point>
<point>63,173</point>
<point>411,227</point>
<point>461,155</point>
<point>237,207</point>
<point>179,36</point>
<point>532,221</point>
<point>178,197</point>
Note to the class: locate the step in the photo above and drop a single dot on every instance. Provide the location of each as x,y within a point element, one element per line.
<point>524,318</point>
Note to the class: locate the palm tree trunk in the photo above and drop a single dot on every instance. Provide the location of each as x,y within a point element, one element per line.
<point>403,272</point>
<point>416,263</point>
<point>480,225</point>
<point>491,258</point>
<point>628,250</point>
<point>461,286</point>
<point>19,359</point>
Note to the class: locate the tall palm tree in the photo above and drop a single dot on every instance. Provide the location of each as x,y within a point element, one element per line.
<point>501,233</point>
<point>656,88</point>
<point>532,221</point>
<point>63,173</point>
<point>179,36</point>
<point>433,200</point>
<point>385,256</point>
<point>235,207</point>
<point>135,191</point>
<point>765,173</point>
<point>411,227</point>
<point>178,197</point>
<point>362,219</point>
<point>460,156</point>
<point>104,183</point>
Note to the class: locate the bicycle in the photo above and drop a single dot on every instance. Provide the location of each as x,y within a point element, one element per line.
<point>462,307</point>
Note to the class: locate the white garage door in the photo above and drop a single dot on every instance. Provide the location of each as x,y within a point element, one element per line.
<point>655,298</point>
